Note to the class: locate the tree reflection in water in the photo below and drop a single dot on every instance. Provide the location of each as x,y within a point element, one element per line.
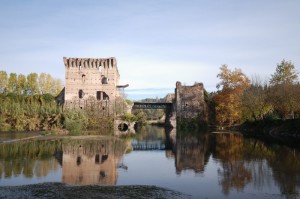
<point>28,158</point>
<point>227,150</point>
<point>240,164</point>
<point>242,161</point>
<point>82,161</point>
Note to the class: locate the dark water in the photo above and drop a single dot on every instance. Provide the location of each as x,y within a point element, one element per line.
<point>202,165</point>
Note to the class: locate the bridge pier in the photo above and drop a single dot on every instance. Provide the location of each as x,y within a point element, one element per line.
<point>123,127</point>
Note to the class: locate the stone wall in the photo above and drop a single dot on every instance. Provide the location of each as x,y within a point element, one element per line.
<point>88,78</point>
<point>189,101</point>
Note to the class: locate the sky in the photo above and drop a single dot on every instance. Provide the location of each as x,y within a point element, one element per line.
<point>155,42</point>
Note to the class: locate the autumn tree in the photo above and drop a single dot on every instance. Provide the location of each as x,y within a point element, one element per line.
<point>228,99</point>
<point>285,100</point>
<point>3,81</point>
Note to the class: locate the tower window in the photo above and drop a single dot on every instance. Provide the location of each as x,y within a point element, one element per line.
<point>98,94</point>
<point>104,80</point>
<point>80,94</point>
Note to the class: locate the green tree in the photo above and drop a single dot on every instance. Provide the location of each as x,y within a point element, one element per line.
<point>255,101</point>
<point>32,84</point>
<point>47,84</point>
<point>284,90</point>
<point>21,84</point>
<point>3,81</point>
<point>58,86</point>
<point>285,74</point>
<point>42,83</point>
<point>12,83</point>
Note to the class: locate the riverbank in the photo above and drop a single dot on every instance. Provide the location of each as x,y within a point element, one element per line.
<point>277,130</point>
<point>60,190</point>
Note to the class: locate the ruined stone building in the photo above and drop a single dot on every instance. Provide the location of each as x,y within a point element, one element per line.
<point>90,79</point>
<point>189,101</point>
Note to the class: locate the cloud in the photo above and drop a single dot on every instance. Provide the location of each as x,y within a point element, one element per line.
<point>156,43</point>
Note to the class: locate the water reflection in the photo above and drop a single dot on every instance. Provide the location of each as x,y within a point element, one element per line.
<point>251,161</point>
<point>192,152</point>
<point>91,162</point>
<point>242,163</point>
<point>149,138</point>
<point>28,159</point>
<point>229,164</point>
<point>234,173</point>
<point>83,162</point>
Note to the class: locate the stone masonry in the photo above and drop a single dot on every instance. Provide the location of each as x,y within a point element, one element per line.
<point>189,101</point>
<point>89,78</point>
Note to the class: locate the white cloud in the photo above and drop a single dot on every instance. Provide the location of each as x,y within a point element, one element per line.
<point>156,43</point>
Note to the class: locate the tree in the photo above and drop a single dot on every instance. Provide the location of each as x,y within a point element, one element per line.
<point>255,102</point>
<point>228,99</point>
<point>285,74</point>
<point>284,90</point>
<point>47,84</point>
<point>32,84</point>
<point>3,81</point>
<point>58,86</point>
<point>232,80</point>
<point>285,100</point>
<point>21,84</point>
<point>42,82</point>
<point>50,85</point>
<point>12,83</point>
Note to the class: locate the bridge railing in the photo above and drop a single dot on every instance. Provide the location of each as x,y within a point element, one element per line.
<point>151,105</point>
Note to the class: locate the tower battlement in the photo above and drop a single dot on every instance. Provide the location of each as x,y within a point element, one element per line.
<point>96,63</point>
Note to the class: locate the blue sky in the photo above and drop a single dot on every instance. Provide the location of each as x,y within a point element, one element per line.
<point>156,42</point>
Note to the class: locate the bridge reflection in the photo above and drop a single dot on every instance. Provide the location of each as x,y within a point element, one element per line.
<point>148,145</point>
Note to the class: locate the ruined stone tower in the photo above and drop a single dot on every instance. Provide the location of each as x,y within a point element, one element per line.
<point>90,79</point>
<point>190,102</point>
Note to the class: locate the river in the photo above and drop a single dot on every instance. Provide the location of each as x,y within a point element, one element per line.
<point>200,165</point>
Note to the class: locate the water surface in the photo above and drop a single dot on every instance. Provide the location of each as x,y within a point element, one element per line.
<point>202,165</point>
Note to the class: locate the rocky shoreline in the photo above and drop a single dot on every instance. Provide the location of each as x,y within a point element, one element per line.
<point>59,190</point>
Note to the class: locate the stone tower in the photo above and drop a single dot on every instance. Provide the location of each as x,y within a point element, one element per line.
<point>89,78</point>
<point>190,101</point>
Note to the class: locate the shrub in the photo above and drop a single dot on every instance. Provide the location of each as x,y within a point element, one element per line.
<point>75,121</point>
